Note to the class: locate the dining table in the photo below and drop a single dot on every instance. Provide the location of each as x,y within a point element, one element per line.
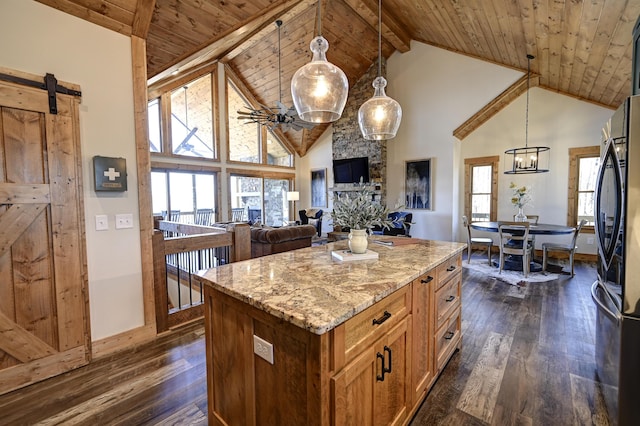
<point>514,262</point>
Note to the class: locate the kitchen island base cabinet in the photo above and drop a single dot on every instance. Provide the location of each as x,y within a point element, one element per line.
<point>373,389</point>
<point>374,368</point>
<point>243,388</point>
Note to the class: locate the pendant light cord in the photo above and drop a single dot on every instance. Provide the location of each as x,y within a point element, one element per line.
<point>379,38</point>
<point>279,24</point>
<point>526,123</point>
<point>319,20</point>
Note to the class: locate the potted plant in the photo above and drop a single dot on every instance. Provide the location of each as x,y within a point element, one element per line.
<point>357,211</point>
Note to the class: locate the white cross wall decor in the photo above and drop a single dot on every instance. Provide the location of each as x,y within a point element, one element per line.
<point>110,173</point>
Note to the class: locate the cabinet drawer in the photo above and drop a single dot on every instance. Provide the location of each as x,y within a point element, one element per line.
<point>449,268</point>
<point>447,339</point>
<point>447,299</point>
<point>366,327</point>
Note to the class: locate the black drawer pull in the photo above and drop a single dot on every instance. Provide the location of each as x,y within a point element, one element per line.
<point>387,370</point>
<point>380,378</point>
<point>428,280</point>
<point>451,268</point>
<point>383,318</point>
<point>449,335</point>
<point>450,298</point>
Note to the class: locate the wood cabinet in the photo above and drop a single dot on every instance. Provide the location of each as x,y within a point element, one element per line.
<point>375,368</point>
<point>373,389</point>
<point>422,368</point>
<point>447,310</point>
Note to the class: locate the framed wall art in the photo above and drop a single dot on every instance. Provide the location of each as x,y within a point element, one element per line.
<point>418,184</point>
<point>319,188</point>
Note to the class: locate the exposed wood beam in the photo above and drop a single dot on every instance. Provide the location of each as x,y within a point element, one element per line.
<point>142,18</point>
<point>496,105</point>
<point>87,14</point>
<point>392,31</point>
<point>230,40</point>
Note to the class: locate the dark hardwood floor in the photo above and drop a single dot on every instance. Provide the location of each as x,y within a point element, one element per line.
<point>527,358</point>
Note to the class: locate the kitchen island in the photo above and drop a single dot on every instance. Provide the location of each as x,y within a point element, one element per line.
<point>299,338</point>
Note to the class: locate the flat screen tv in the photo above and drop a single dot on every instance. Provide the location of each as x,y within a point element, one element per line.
<point>351,170</point>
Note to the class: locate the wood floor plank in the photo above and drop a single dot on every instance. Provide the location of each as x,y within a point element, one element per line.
<point>480,394</point>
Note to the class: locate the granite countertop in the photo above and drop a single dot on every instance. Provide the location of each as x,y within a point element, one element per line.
<point>310,289</point>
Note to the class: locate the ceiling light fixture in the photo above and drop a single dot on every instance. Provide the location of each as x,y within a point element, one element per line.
<point>319,89</point>
<point>286,118</point>
<point>380,116</point>
<point>527,160</point>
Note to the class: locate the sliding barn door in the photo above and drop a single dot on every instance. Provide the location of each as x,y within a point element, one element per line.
<point>43,295</point>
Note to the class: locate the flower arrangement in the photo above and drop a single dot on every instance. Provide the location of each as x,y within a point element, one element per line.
<point>521,195</point>
<point>356,210</point>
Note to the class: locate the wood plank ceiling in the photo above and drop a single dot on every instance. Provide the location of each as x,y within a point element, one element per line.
<point>582,47</point>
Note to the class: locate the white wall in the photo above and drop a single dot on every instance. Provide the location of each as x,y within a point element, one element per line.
<point>438,91</point>
<point>38,39</point>
<point>557,121</point>
<point>319,156</point>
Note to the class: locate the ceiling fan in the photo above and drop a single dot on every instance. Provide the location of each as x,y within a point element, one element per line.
<point>280,115</point>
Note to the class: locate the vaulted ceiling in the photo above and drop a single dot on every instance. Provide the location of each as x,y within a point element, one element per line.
<point>582,48</point>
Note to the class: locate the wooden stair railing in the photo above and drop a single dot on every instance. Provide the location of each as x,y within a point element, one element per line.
<point>177,258</point>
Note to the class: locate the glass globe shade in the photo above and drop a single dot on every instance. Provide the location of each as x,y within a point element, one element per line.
<point>380,116</point>
<point>319,89</point>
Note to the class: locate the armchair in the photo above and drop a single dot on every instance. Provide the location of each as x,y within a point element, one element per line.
<point>312,217</point>
<point>400,226</point>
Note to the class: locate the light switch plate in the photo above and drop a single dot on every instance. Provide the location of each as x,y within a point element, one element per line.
<point>124,221</point>
<point>102,222</point>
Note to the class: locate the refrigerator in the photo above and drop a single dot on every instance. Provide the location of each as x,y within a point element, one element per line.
<point>616,292</point>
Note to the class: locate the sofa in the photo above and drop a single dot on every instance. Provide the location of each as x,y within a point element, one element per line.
<point>265,240</point>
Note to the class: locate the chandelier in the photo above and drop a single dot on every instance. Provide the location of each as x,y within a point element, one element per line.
<point>280,116</point>
<point>526,160</point>
<point>319,89</point>
<point>379,117</point>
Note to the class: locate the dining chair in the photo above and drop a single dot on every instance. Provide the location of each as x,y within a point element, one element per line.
<point>533,219</point>
<point>569,248</point>
<point>488,242</point>
<point>514,239</point>
<point>204,217</point>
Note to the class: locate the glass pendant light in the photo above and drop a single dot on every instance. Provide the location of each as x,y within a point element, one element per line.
<point>529,159</point>
<point>380,116</point>
<point>319,89</point>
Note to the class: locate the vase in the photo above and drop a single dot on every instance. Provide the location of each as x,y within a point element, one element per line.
<point>358,241</point>
<point>520,217</point>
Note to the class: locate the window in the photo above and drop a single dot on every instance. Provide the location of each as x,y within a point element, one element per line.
<point>583,172</point>
<point>184,196</point>
<point>481,188</point>
<point>260,199</point>
<point>250,142</point>
<point>182,118</point>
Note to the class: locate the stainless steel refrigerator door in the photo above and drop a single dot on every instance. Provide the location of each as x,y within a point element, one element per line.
<point>631,217</point>
<point>608,334</point>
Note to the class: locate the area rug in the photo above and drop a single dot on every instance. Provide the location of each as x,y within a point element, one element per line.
<point>511,277</point>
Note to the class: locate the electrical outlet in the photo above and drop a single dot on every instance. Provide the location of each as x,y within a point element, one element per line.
<point>263,349</point>
<point>102,222</point>
<point>124,221</point>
